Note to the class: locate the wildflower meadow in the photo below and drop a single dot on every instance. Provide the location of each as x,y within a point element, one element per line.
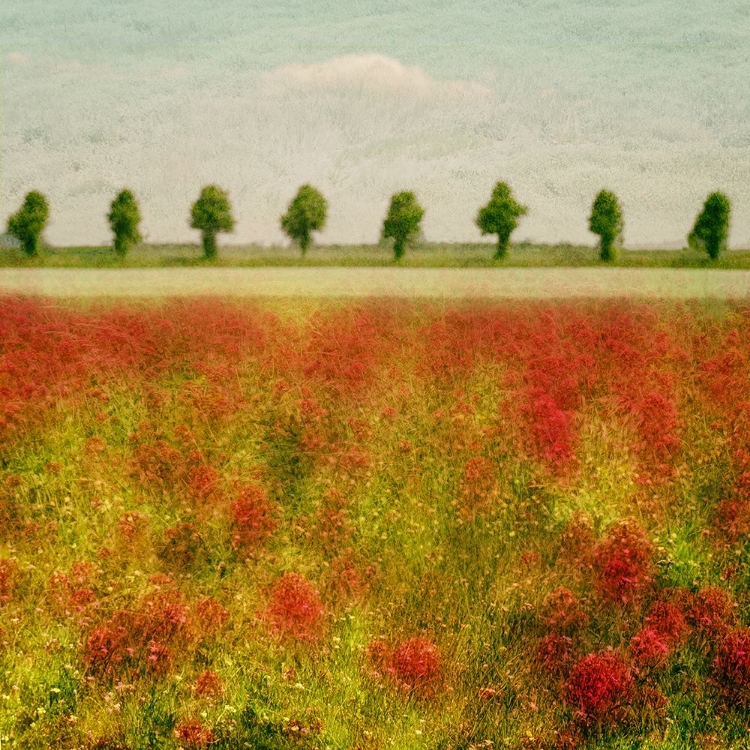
<point>387,524</point>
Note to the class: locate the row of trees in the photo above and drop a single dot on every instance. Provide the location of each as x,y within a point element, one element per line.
<point>212,214</point>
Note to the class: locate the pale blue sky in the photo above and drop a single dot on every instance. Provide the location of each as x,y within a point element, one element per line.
<point>558,98</point>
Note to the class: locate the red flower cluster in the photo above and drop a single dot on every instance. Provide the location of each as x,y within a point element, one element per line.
<point>194,734</point>
<point>667,620</point>
<point>664,628</point>
<point>415,663</point>
<point>551,428</point>
<point>712,611</point>
<point>208,684</point>
<point>598,684</point>
<point>138,639</point>
<point>623,563</point>
<point>649,648</point>
<point>554,654</point>
<point>562,611</point>
<point>203,481</point>
<point>732,517</point>
<point>253,517</point>
<point>295,609</point>
<point>732,666</point>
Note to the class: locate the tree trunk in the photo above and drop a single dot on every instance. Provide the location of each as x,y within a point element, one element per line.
<point>30,246</point>
<point>398,248</point>
<point>502,248</point>
<point>209,245</point>
<point>304,243</point>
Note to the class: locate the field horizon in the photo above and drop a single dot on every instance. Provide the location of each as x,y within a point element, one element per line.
<point>421,255</point>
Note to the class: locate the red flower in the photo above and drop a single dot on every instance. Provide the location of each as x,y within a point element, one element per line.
<point>193,733</point>
<point>555,654</point>
<point>253,517</point>
<point>158,658</point>
<point>295,608</point>
<point>598,684</point>
<point>712,611</point>
<point>562,611</point>
<point>416,662</point>
<point>209,684</point>
<point>667,621</point>
<point>649,648</point>
<point>623,562</point>
<point>732,665</point>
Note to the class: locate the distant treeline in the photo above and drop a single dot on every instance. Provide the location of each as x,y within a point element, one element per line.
<point>307,213</point>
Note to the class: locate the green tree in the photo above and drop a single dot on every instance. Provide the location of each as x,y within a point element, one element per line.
<point>306,214</point>
<point>124,217</point>
<point>403,221</point>
<point>500,217</point>
<point>27,224</point>
<point>711,227</point>
<point>211,213</point>
<point>606,221</point>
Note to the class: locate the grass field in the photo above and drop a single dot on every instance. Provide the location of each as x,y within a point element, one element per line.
<point>379,525</point>
<point>337,282</point>
<point>476,255</point>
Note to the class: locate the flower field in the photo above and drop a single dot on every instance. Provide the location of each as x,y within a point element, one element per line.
<point>376,525</point>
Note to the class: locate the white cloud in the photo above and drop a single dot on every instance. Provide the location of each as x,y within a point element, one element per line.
<point>372,72</point>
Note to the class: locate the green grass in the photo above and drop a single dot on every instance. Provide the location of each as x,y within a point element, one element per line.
<point>426,255</point>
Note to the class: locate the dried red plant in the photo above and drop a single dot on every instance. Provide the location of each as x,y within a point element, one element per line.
<point>8,576</point>
<point>578,540</point>
<point>182,544</point>
<point>210,616</point>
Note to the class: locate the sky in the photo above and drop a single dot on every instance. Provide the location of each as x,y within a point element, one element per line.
<point>559,98</point>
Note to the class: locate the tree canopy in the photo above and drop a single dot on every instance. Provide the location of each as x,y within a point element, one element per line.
<point>403,221</point>
<point>28,223</point>
<point>711,228</point>
<point>606,221</point>
<point>124,218</point>
<point>500,217</point>
<point>306,214</point>
<point>212,213</point>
